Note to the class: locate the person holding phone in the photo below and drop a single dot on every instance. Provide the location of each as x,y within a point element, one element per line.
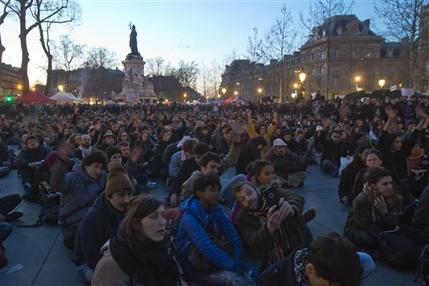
<point>271,224</point>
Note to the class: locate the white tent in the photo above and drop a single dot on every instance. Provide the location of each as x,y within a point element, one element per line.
<point>62,97</point>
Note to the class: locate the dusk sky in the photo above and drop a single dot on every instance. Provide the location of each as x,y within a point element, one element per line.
<point>200,31</point>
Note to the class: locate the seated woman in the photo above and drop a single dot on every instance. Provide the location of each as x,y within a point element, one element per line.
<point>138,253</point>
<point>329,260</point>
<point>208,246</point>
<point>374,210</point>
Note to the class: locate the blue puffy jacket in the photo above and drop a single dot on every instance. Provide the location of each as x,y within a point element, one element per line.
<point>194,226</point>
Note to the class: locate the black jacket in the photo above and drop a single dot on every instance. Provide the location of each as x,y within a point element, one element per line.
<point>279,274</point>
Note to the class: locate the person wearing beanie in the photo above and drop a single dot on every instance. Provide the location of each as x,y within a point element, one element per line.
<point>102,220</point>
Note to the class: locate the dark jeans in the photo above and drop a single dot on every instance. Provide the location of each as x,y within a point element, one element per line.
<point>5,231</point>
<point>9,203</point>
<point>363,239</point>
<point>69,234</point>
<point>329,168</point>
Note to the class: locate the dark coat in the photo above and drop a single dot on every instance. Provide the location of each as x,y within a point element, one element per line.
<point>287,164</point>
<point>279,274</point>
<point>254,231</point>
<point>348,177</point>
<point>98,225</point>
<point>27,156</point>
<point>80,192</point>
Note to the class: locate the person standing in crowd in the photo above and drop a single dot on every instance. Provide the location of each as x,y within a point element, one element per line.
<point>82,186</point>
<point>84,148</point>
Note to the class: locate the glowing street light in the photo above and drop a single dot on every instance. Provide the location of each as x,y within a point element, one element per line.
<point>19,86</point>
<point>185,95</point>
<point>381,82</point>
<point>295,85</point>
<point>302,76</point>
<point>358,78</point>
<point>238,83</point>
<point>223,90</point>
<point>236,92</point>
<point>61,87</point>
<point>260,90</point>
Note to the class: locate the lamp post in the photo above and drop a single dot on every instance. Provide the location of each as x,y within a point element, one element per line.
<point>235,92</point>
<point>61,87</point>
<point>302,76</point>
<point>357,80</point>
<point>381,83</point>
<point>223,90</point>
<point>185,96</point>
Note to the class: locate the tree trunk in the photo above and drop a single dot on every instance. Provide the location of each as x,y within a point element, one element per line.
<point>48,85</point>
<point>1,50</point>
<point>24,49</point>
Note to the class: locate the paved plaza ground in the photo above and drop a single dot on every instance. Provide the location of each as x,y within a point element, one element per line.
<point>38,257</point>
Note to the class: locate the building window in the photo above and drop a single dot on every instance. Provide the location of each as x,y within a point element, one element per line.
<point>396,53</point>
<point>383,52</point>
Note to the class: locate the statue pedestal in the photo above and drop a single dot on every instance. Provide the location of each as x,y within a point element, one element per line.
<point>135,86</point>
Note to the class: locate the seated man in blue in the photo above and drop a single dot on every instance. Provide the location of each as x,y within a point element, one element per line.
<point>208,246</point>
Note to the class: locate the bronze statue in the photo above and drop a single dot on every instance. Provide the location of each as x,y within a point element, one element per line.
<point>133,41</point>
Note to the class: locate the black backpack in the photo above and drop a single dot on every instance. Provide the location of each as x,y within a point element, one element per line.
<point>423,266</point>
<point>50,204</point>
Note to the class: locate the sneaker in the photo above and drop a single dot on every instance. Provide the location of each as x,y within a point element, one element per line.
<point>309,215</point>
<point>13,216</point>
<point>151,185</point>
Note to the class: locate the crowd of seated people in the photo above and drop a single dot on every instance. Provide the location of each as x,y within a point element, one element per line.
<point>248,229</point>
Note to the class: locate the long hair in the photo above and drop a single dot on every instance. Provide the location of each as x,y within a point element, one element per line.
<point>141,206</point>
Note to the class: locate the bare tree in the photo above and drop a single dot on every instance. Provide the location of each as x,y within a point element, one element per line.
<point>255,47</point>
<point>101,57</point>
<point>3,16</point>
<point>156,66</point>
<point>280,39</point>
<point>64,12</point>
<point>321,10</point>
<point>403,21</point>
<point>209,78</point>
<point>67,54</point>
<point>187,73</point>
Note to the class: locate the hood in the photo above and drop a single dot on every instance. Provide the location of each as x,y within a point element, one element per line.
<point>193,206</point>
<point>80,171</point>
<point>102,204</point>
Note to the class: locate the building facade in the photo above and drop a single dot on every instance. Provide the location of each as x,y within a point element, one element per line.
<point>10,81</point>
<point>341,56</point>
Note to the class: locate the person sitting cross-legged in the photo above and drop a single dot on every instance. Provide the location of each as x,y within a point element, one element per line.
<point>102,220</point>
<point>271,231</point>
<point>329,260</point>
<point>208,246</point>
<point>82,186</point>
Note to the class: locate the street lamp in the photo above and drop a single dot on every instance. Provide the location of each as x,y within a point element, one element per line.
<point>357,78</point>
<point>235,92</point>
<point>381,82</point>
<point>295,85</point>
<point>19,86</point>
<point>61,87</point>
<point>302,76</point>
<point>260,90</point>
<point>223,90</point>
<point>185,95</point>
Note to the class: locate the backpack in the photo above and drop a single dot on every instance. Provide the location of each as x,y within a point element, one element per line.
<point>50,204</point>
<point>423,267</point>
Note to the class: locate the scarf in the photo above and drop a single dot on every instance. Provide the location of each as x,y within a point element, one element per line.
<point>299,267</point>
<point>281,241</point>
<point>148,264</point>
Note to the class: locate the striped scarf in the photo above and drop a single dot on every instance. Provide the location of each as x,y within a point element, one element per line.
<point>281,240</point>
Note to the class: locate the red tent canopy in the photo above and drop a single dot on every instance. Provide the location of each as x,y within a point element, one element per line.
<point>35,98</point>
<point>230,99</point>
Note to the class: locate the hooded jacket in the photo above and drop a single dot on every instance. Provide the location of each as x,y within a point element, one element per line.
<point>195,226</point>
<point>79,194</point>
<point>98,225</point>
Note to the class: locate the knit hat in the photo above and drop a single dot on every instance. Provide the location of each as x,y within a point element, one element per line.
<point>117,179</point>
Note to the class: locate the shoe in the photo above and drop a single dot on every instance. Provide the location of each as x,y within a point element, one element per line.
<point>13,216</point>
<point>309,215</point>
<point>151,185</point>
